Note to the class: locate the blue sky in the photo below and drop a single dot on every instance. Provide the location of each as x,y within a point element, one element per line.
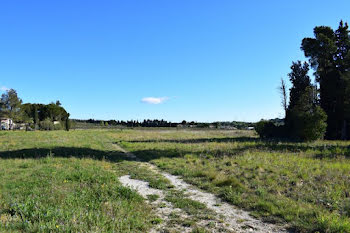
<point>196,60</point>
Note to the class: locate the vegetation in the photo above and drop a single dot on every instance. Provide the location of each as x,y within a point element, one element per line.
<point>305,185</point>
<point>93,124</point>
<point>305,120</point>
<point>66,182</point>
<point>36,116</point>
<point>10,104</point>
<point>315,111</point>
<point>329,55</point>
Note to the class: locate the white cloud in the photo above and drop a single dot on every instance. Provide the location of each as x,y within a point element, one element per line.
<point>3,88</point>
<point>154,100</point>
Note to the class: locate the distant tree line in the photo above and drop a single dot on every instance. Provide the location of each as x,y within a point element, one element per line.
<point>130,123</point>
<point>34,116</point>
<point>161,123</point>
<point>321,109</point>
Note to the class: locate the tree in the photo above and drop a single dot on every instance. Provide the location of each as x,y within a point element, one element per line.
<point>68,124</point>
<point>300,81</point>
<point>10,105</point>
<point>329,56</point>
<point>36,116</point>
<point>305,120</point>
<point>283,92</point>
<point>39,113</point>
<point>346,122</point>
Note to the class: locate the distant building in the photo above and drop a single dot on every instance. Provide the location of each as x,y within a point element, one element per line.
<point>6,124</point>
<point>250,128</point>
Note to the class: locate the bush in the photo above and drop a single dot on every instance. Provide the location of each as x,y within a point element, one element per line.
<point>307,125</point>
<point>267,129</point>
<point>46,124</point>
<point>57,126</point>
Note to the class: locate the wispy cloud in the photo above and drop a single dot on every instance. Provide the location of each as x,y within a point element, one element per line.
<point>154,100</point>
<point>3,88</point>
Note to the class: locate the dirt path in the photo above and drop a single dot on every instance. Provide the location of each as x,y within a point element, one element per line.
<point>162,208</point>
<point>228,217</point>
<point>237,220</point>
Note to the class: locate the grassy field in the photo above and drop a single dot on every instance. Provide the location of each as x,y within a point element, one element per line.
<point>306,185</point>
<point>68,181</point>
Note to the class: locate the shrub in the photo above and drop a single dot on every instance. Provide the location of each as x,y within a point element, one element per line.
<point>46,124</point>
<point>57,126</point>
<point>307,125</point>
<point>267,129</point>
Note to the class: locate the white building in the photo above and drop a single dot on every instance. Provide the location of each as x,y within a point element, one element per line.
<point>6,124</point>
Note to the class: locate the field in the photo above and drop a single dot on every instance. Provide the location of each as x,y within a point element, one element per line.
<point>68,181</point>
<point>65,182</point>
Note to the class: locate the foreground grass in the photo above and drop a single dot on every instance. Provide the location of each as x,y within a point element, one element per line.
<point>60,182</point>
<point>68,181</point>
<point>305,185</point>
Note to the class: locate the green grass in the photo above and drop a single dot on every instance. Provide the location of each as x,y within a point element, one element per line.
<point>62,182</point>
<point>304,185</point>
<point>195,209</point>
<point>139,171</point>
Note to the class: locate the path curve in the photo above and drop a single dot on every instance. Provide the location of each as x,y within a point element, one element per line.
<point>236,220</point>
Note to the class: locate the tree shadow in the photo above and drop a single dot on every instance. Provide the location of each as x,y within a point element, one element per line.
<point>199,140</point>
<point>257,144</point>
<point>65,152</point>
<point>249,144</point>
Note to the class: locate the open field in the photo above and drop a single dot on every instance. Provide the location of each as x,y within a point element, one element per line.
<point>48,186</point>
<point>68,181</point>
<point>303,184</point>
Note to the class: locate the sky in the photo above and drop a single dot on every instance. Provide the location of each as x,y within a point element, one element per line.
<point>194,60</point>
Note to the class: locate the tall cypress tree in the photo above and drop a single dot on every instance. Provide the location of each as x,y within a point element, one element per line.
<point>305,120</point>
<point>342,61</point>
<point>300,81</point>
<point>35,115</point>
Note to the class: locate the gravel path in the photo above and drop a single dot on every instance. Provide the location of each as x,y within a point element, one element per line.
<point>234,219</point>
<point>162,208</point>
<point>237,220</point>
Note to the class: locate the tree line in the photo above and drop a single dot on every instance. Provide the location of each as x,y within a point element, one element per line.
<point>34,116</point>
<point>159,123</point>
<point>321,109</point>
<point>129,123</point>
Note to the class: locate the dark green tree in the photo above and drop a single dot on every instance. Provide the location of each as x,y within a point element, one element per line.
<point>305,120</point>
<point>328,53</point>
<point>67,123</point>
<point>36,115</point>
<point>300,81</point>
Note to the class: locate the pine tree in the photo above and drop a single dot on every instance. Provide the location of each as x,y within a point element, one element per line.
<point>305,120</point>
<point>328,53</point>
